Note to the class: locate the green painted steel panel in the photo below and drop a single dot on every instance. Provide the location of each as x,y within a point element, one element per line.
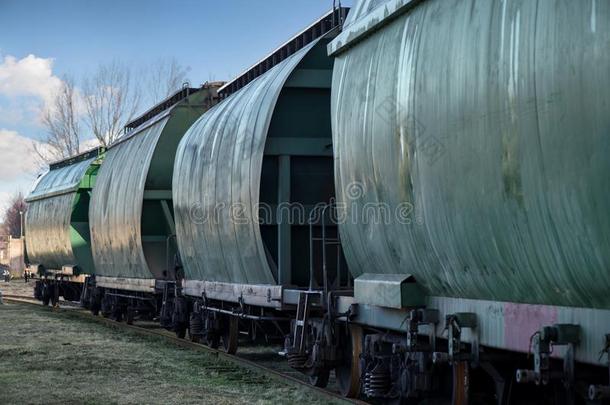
<point>482,127</point>
<point>56,208</point>
<point>80,237</point>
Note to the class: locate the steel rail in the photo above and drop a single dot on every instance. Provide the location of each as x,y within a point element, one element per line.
<point>323,394</point>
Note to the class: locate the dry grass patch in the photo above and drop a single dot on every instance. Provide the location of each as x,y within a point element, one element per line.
<point>59,358</point>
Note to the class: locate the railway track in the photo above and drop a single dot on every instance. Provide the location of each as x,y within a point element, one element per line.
<point>323,394</point>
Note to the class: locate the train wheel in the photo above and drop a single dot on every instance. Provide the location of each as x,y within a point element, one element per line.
<point>212,340</point>
<point>231,335</point>
<point>181,332</point>
<point>106,307</point>
<point>95,309</point>
<point>348,373</point>
<point>461,383</point>
<point>46,295</point>
<point>117,313</point>
<point>55,296</point>
<point>38,291</point>
<point>320,380</point>
<point>129,316</point>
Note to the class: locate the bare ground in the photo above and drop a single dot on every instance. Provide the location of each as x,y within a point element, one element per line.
<point>18,287</point>
<point>59,358</point>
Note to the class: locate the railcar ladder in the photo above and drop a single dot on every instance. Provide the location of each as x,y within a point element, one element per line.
<point>302,316</point>
<point>325,241</point>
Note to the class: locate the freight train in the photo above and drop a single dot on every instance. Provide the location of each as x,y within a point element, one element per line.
<point>412,198</point>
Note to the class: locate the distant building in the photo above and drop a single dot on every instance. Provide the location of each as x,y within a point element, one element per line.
<point>11,254</point>
<point>4,250</point>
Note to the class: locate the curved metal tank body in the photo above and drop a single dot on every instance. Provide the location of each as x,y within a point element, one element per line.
<point>56,222</point>
<point>117,206</point>
<point>131,207</point>
<point>265,145</point>
<point>482,129</point>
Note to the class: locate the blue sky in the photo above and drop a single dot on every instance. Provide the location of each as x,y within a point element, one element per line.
<point>41,41</point>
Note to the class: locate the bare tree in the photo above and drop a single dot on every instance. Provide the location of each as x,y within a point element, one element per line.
<point>111,100</point>
<point>12,215</point>
<point>62,124</point>
<point>106,102</point>
<point>165,77</point>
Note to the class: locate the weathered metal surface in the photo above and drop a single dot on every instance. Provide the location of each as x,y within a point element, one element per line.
<point>367,17</point>
<point>146,285</point>
<point>60,181</point>
<point>501,324</point>
<point>269,296</point>
<point>132,223</point>
<point>69,270</point>
<point>482,128</point>
<point>115,213</point>
<point>388,290</point>
<point>47,220</point>
<point>510,326</point>
<point>217,182</point>
<point>48,236</point>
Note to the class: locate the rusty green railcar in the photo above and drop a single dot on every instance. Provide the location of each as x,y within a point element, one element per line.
<point>57,226</point>
<point>250,177</point>
<point>479,129</point>
<point>131,211</point>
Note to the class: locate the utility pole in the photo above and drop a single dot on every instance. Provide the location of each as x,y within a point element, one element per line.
<point>22,242</point>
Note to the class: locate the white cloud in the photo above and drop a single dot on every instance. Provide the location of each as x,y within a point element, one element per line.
<point>29,76</point>
<point>17,156</point>
<point>27,87</point>
<point>19,166</point>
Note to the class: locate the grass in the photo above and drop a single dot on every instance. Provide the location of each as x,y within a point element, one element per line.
<point>59,358</point>
<point>17,287</point>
